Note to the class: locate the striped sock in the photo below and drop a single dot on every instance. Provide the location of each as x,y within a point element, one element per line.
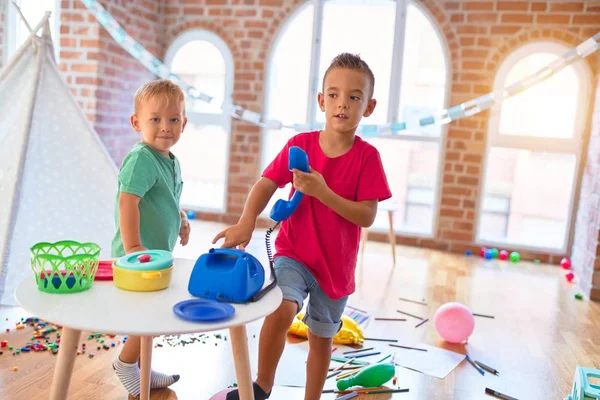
<point>129,375</point>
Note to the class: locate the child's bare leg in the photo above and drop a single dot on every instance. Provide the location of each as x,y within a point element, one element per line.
<point>130,353</point>
<point>272,342</point>
<point>317,366</point>
<point>128,371</point>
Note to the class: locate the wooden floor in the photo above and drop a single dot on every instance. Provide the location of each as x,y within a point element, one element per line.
<point>540,333</point>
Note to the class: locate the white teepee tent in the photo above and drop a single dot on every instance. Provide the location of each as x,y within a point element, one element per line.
<point>57,182</point>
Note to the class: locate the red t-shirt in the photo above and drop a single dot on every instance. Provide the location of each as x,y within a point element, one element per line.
<point>315,235</point>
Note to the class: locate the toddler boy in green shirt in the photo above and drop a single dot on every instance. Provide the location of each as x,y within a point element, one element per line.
<point>147,210</point>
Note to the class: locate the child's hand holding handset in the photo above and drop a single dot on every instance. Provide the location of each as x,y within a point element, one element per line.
<point>311,184</point>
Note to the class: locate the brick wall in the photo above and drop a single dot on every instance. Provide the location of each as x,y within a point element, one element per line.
<point>101,74</point>
<point>3,11</point>
<point>586,249</point>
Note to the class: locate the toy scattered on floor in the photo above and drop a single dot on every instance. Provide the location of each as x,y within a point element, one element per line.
<point>537,261</point>
<point>369,377</point>
<point>188,339</point>
<point>565,263</point>
<point>489,254</point>
<point>482,251</point>
<point>454,322</point>
<point>468,253</point>
<point>569,276</point>
<point>358,316</point>
<point>503,255</point>
<point>515,256</point>
<point>191,214</point>
<point>578,296</point>
<point>582,388</point>
<point>350,333</point>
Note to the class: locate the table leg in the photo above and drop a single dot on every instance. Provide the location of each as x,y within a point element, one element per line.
<point>241,359</point>
<point>69,340</point>
<point>145,366</point>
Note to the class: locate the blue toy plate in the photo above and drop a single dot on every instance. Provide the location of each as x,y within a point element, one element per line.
<point>201,310</point>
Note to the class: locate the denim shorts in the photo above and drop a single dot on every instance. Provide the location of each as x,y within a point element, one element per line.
<point>323,314</point>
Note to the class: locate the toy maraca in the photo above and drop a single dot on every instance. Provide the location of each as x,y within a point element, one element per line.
<point>369,377</point>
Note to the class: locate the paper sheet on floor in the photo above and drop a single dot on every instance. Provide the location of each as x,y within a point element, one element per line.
<point>291,370</point>
<point>435,361</point>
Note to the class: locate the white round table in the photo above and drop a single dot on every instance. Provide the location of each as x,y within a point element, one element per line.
<point>108,309</point>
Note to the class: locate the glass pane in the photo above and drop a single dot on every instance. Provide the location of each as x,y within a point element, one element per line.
<point>545,110</point>
<point>201,64</point>
<point>423,85</point>
<point>203,151</point>
<point>289,70</point>
<point>526,197</point>
<point>33,12</point>
<point>412,169</point>
<point>366,28</point>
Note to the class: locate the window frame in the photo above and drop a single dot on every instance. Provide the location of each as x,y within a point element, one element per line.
<point>204,118</point>
<point>394,97</point>
<point>12,18</point>
<point>573,146</point>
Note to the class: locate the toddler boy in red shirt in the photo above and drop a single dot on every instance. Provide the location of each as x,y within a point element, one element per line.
<point>317,247</point>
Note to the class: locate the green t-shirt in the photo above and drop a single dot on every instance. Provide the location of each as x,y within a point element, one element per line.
<point>157,180</point>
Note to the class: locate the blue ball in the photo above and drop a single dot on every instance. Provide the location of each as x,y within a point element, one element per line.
<point>191,214</point>
<point>489,254</point>
<point>468,253</point>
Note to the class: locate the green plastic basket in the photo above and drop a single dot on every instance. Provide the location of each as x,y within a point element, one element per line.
<point>64,267</point>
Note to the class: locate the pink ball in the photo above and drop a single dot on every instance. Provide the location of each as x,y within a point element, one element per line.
<point>222,395</point>
<point>565,263</point>
<point>570,276</point>
<point>503,255</point>
<point>454,322</point>
<point>482,251</point>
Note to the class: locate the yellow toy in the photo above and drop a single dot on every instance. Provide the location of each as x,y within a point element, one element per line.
<point>349,334</point>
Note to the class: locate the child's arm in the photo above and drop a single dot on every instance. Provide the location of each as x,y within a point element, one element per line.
<point>361,213</point>
<point>129,222</point>
<point>258,198</point>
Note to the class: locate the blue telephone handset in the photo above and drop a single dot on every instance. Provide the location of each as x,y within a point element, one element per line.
<point>298,159</point>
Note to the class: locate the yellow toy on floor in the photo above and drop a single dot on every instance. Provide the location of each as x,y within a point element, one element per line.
<point>349,334</point>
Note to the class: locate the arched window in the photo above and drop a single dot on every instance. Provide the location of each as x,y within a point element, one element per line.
<point>534,146</point>
<point>203,59</point>
<point>409,83</point>
<point>33,11</point>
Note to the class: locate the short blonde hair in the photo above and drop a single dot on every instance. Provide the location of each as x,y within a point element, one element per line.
<point>159,86</point>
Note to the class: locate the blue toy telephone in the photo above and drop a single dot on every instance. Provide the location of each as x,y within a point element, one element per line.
<point>235,276</point>
<point>283,209</point>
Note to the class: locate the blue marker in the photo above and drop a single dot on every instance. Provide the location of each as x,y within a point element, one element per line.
<point>477,367</point>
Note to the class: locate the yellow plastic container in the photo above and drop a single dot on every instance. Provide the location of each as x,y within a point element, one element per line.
<point>143,271</point>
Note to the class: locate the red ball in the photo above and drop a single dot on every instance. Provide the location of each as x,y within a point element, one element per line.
<point>569,276</point>
<point>503,255</point>
<point>482,251</point>
<point>565,263</point>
